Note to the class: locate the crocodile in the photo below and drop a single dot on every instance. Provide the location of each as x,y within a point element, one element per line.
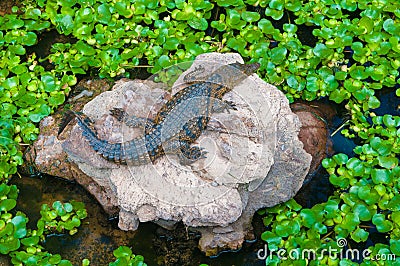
<point>178,123</point>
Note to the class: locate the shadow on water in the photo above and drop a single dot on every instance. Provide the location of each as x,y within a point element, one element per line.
<point>390,103</point>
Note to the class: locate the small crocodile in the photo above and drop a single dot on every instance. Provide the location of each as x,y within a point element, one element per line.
<point>178,123</point>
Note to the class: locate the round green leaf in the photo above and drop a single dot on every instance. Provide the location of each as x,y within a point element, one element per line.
<point>49,82</point>
<point>7,204</point>
<point>84,48</point>
<point>362,211</point>
<point>394,203</point>
<point>380,176</point>
<point>171,43</point>
<point>198,23</point>
<point>322,51</point>
<point>68,207</point>
<point>359,235</point>
<point>382,225</point>
<point>30,241</point>
<point>278,55</point>
<point>395,246</point>
<point>103,13</point>
<point>122,251</point>
<point>390,26</point>
<point>20,226</point>
<point>290,28</point>
<point>387,162</point>
<point>250,17</point>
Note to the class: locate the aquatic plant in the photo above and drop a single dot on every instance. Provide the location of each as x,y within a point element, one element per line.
<point>352,51</point>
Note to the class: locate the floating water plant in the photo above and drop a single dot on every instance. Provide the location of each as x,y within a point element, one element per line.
<point>353,52</point>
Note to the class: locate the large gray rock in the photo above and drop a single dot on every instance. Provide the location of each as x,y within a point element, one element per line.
<point>254,160</point>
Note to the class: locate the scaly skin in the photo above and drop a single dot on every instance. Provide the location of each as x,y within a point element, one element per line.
<point>177,124</point>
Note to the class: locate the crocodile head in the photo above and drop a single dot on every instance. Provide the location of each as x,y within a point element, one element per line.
<point>231,75</point>
<point>246,69</point>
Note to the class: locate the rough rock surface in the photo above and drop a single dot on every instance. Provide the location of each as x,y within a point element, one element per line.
<point>254,160</point>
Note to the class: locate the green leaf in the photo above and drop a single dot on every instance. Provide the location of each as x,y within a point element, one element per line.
<point>378,73</point>
<point>356,166</point>
<point>382,225</point>
<point>57,99</point>
<point>103,13</point>
<point>370,196</point>
<point>359,235</point>
<point>65,263</point>
<point>164,61</point>
<point>10,245</point>
<point>30,241</point>
<point>394,203</point>
<point>362,211</point>
<point>340,158</point>
<point>20,226</point>
<point>59,208</point>
<point>277,4</point>
<point>274,241</point>
<point>49,82</point>
<point>290,28</point>
<point>339,95</point>
<point>366,24</point>
<point>387,162</point>
<point>250,17</point>
<point>55,259</point>
<point>322,51</point>
<point>68,207</point>
<point>122,252</point>
<point>273,13</point>
<point>358,72</point>
<point>65,23</point>
<point>381,146</point>
<point>389,121</point>
<point>287,227</point>
<point>395,246</point>
<point>233,17</point>
<point>171,43</point>
<point>11,83</point>
<point>390,26</point>
<point>380,176</point>
<point>198,23</point>
<point>266,26</point>
<point>84,48</point>
<point>7,204</point>
<point>278,55</point>
<point>85,262</point>
<point>373,102</point>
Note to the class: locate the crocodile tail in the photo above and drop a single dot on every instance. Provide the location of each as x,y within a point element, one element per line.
<point>110,151</point>
<point>67,117</point>
<point>82,119</point>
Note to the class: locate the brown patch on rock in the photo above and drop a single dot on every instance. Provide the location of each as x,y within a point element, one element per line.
<point>314,133</point>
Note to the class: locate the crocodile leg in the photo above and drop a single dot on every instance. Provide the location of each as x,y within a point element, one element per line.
<point>132,121</point>
<point>189,155</point>
<point>221,106</point>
